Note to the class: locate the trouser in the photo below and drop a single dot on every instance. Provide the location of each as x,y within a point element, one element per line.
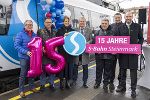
<point>67,73</point>
<point>113,70</point>
<point>133,75</point>
<point>23,74</point>
<point>103,66</point>
<point>85,73</point>
<point>51,77</point>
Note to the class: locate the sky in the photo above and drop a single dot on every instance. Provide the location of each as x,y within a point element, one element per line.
<point>132,3</point>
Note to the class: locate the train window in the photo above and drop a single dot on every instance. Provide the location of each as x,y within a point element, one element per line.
<point>5,15</point>
<point>96,19</point>
<point>81,13</point>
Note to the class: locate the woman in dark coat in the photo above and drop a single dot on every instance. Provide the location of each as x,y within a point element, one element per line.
<point>66,75</point>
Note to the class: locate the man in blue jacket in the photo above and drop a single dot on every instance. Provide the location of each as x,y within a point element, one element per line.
<point>21,41</point>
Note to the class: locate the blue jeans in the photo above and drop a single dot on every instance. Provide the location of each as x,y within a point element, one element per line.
<point>24,64</point>
<point>51,77</point>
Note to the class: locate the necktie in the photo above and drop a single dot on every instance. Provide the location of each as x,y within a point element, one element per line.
<point>82,31</point>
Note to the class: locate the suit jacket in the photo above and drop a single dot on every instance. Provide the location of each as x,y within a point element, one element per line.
<point>88,37</point>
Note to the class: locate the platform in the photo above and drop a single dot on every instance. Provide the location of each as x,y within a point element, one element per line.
<point>79,93</point>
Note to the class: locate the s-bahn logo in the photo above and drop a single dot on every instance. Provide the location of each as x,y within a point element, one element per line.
<point>75,43</point>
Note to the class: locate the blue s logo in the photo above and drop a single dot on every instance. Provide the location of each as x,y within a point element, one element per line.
<point>75,43</point>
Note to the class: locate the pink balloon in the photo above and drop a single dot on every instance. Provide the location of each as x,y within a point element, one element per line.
<point>35,47</point>
<point>50,46</point>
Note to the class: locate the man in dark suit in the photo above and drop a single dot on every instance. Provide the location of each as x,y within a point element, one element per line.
<point>129,61</point>
<point>115,27</point>
<point>83,58</point>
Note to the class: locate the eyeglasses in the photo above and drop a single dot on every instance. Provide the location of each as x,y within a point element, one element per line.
<point>29,25</point>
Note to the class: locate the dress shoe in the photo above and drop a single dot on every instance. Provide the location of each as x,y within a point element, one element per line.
<point>121,89</point>
<point>133,94</point>
<point>105,88</point>
<point>42,88</point>
<point>111,87</point>
<point>96,85</point>
<point>22,95</point>
<point>85,86</point>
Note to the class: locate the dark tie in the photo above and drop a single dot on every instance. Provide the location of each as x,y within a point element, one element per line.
<point>82,31</point>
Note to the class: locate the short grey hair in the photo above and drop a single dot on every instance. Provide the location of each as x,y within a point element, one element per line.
<point>28,21</point>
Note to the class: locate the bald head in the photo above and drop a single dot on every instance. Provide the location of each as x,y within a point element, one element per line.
<point>128,17</point>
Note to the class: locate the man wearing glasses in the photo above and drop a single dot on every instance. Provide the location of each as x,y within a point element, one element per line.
<point>21,41</point>
<point>46,33</point>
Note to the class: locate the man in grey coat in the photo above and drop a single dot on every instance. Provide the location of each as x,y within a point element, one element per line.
<point>83,58</point>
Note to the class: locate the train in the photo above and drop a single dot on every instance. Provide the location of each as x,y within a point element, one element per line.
<point>13,14</point>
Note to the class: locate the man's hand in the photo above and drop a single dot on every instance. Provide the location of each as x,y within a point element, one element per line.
<point>29,53</point>
<point>66,34</point>
<point>44,50</point>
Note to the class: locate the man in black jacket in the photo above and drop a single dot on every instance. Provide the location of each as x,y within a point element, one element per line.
<point>104,61</point>
<point>129,61</point>
<point>115,26</point>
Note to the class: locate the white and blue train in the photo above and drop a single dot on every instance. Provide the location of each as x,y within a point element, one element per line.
<point>13,14</point>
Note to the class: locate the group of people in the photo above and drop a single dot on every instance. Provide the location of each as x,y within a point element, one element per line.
<point>105,63</point>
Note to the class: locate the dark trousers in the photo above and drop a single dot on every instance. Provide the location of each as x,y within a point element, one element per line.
<point>85,73</point>
<point>133,75</point>
<point>67,73</point>
<point>51,77</point>
<point>113,70</point>
<point>103,67</point>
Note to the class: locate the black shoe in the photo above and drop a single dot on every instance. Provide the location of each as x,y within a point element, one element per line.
<point>111,87</point>
<point>85,86</point>
<point>42,88</point>
<point>96,85</point>
<point>105,87</point>
<point>121,89</point>
<point>52,87</point>
<point>133,94</point>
